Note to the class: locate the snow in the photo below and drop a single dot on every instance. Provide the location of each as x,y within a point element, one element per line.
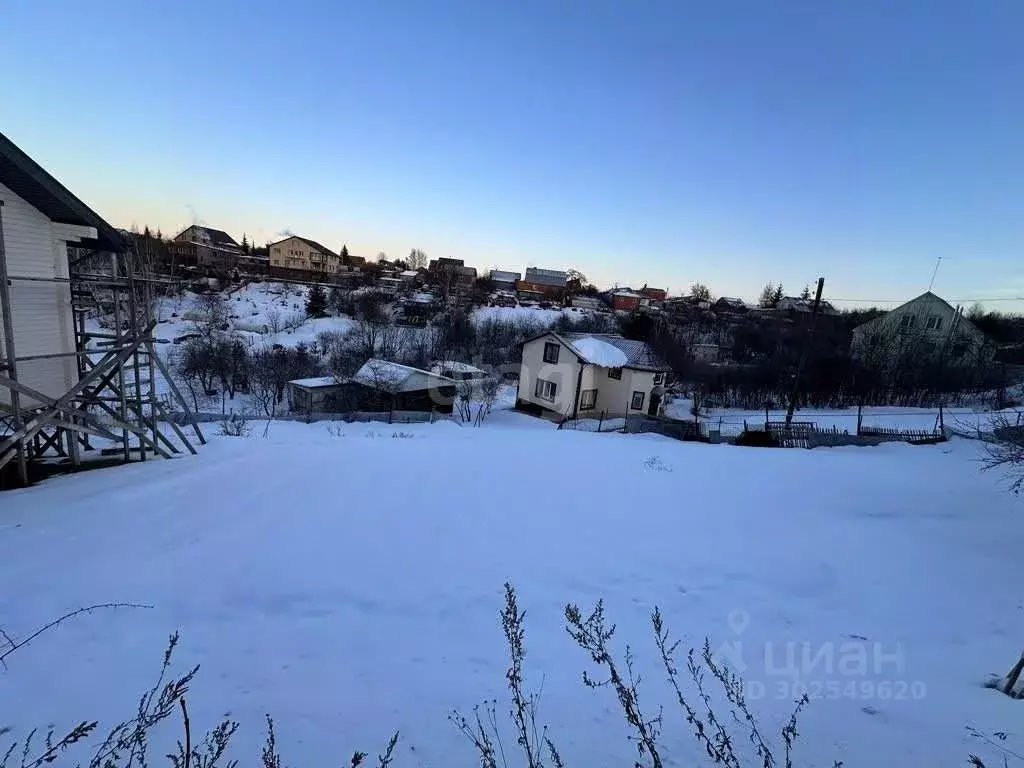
<point>598,352</point>
<point>543,317</point>
<point>400,378</point>
<point>316,381</point>
<point>349,583</point>
<point>455,367</point>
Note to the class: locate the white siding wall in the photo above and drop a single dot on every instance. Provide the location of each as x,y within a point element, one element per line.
<point>35,247</point>
<point>616,395</point>
<point>564,375</point>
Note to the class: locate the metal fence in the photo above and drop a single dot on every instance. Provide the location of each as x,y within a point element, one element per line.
<point>389,417</point>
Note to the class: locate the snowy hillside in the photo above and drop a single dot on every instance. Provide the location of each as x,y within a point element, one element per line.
<point>348,579</point>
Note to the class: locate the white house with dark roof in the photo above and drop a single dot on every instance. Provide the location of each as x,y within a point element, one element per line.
<point>575,374</point>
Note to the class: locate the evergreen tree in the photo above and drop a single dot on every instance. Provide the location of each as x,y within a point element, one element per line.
<point>767,297</point>
<point>316,303</point>
<point>805,293</point>
<point>778,295</point>
<point>245,243</point>
<point>344,254</point>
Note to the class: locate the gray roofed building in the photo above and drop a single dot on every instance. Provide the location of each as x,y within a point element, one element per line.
<point>638,353</point>
<point>504,279</point>
<point>552,277</point>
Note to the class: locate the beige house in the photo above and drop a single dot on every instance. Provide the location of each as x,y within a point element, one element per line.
<point>301,253</point>
<point>930,324</point>
<point>576,374</point>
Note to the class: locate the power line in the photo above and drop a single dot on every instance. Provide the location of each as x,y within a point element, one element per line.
<point>904,301</point>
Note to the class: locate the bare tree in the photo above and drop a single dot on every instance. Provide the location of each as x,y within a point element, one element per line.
<point>273,317</point>
<point>417,259</point>
<point>700,292</point>
<point>214,314</point>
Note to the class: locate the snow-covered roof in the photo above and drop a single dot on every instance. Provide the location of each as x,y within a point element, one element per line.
<point>600,352</point>
<point>456,366</point>
<point>316,381</point>
<point>395,377</point>
<point>626,292</point>
<point>410,273</point>
<point>638,354</point>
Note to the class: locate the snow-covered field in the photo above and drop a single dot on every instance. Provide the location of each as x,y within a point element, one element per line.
<point>349,583</point>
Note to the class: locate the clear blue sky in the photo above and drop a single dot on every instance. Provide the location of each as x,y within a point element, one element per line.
<point>660,141</point>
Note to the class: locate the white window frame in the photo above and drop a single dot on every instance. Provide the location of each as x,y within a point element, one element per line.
<point>541,388</point>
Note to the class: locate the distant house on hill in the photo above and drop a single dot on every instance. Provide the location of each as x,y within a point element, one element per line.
<point>504,281</point>
<point>927,325</point>
<point>571,374</point>
<point>727,304</point>
<point>654,294</point>
<point>199,246</point>
<point>542,284</point>
<point>452,274</point>
<point>301,253</point>
<point>625,300</point>
<point>804,306</point>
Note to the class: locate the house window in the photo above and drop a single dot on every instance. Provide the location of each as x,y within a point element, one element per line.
<point>588,399</point>
<point>658,378</point>
<point>545,390</point>
<point>638,401</point>
<point>614,373</point>
<point>934,323</point>
<point>907,321</point>
<point>551,353</point>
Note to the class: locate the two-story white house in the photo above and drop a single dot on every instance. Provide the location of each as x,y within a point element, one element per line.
<point>928,322</point>
<point>575,374</point>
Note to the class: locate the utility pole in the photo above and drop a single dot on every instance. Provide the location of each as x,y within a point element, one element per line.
<point>803,353</point>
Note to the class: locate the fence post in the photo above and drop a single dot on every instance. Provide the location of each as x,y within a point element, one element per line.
<point>942,421</point>
<point>600,421</point>
<point>860,416</point>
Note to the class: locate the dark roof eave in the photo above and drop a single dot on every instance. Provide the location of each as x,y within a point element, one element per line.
<point>31,182</point>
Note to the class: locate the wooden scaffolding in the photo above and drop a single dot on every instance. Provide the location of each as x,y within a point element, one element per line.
<point>116,398</point>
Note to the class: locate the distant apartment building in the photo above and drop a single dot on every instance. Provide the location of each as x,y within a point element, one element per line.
<point>504,281</point>
<point>199,246</point>
<point>304,254</point>
<point>542,284</point>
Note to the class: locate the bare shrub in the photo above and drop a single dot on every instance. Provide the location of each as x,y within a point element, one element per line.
<point>533,740</point>
<point>1005,451</point>
<point>235,425</point>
